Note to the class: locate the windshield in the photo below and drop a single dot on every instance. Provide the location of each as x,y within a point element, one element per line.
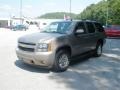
<point>58,27</point>
<point>113,28</point>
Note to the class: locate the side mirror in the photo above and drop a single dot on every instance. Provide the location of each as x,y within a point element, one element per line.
<point>79,31</point>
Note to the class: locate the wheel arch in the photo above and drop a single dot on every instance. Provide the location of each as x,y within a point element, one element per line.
<point>101,41</point>
<point>65,47</point>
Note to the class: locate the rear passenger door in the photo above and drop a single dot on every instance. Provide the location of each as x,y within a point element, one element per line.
<point>92,36</point>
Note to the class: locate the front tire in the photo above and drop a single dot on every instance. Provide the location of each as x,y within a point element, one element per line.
<point>62,61</point>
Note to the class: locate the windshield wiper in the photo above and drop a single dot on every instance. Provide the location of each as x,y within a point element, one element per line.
<point>52,32</point>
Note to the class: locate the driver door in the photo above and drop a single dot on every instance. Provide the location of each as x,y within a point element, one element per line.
<point>80,38</point>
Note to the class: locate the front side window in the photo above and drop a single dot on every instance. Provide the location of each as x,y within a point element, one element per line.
<point>79,26</point>
<point>58,27</point>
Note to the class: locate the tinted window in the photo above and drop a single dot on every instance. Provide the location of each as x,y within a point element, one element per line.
<point>99,27</point>
<point>90,27</point>
<point>80,25</point>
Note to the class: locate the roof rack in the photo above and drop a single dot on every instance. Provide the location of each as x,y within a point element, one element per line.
<point>88,20</point>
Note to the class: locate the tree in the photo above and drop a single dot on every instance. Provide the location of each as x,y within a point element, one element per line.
<point>98,12</point>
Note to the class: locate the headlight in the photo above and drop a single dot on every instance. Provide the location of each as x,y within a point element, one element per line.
<point>43,47</point>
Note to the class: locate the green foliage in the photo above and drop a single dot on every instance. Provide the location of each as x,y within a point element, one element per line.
<point>98,12</point>
<point>57,15</point>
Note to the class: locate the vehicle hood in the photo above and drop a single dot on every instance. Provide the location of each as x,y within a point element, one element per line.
<point>39,37</point>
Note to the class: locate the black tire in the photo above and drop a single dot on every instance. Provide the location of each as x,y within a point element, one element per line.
<point>57,66</point>
<point>98,50</point>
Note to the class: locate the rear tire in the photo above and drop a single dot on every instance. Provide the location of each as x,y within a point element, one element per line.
<point>98,50</point>
<point>62,61</point>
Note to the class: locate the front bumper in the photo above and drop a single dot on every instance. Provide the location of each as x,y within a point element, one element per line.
<point>45,59</point>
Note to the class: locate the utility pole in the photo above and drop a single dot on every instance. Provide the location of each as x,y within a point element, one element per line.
<point>21,21</point>
<point>70,9</point>
<point>107,12</point>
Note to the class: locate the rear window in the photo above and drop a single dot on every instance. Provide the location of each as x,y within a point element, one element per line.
<point>99,27</point>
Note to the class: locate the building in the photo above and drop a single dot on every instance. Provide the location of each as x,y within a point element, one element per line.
<point>40,23</point>
<point>5,22</point>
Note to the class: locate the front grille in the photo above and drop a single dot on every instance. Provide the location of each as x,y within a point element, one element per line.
<point>26,49</point>
<point>28,43</point>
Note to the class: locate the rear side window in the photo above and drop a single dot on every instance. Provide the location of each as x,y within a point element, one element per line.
<point>90,27</point>
<point>99,27</point>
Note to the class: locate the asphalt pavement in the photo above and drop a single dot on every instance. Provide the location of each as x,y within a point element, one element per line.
<point>86,73</point>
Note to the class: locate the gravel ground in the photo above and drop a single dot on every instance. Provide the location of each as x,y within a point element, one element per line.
<point>86,73</point>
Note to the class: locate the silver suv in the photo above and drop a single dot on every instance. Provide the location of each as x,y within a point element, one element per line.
<point>58,42</point>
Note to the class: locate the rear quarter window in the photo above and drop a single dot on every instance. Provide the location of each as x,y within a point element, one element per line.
<point>99,27</point>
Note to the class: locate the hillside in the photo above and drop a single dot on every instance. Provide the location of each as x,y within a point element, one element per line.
<point>57,15</point>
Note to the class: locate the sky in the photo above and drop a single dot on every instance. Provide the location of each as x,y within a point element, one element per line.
<point>34,8</point>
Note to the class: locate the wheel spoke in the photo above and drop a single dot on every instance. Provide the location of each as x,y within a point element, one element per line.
<point>63,61</point>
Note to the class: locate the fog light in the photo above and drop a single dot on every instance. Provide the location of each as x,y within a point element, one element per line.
<point>32,61</point>
<point>42,62</point>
